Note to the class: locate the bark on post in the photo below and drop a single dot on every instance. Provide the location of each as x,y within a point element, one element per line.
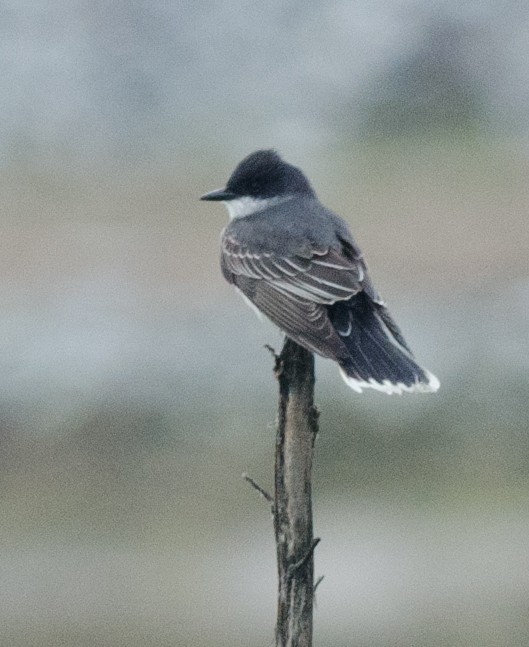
<point>297,426</point>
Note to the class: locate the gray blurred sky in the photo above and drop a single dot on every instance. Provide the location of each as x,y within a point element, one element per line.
<point>89,81</point>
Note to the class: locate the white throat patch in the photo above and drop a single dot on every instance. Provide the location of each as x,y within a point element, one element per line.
<point>241,207</point>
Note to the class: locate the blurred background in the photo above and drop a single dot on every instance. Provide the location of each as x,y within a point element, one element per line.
<point>135,388</point>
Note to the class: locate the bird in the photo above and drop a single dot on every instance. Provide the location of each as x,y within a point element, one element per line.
<point>296,262</point>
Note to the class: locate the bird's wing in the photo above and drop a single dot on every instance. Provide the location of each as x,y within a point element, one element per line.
<point>294,289</point>
<point>317,274</point>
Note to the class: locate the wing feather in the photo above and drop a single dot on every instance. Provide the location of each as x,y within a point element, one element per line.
<point>328,276</point>
<point>305,322</point>
<point>295,290</point>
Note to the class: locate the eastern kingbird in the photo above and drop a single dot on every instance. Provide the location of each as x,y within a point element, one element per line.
<point>296,262</point>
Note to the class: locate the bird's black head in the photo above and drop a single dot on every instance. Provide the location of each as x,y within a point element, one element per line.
<point>263,175</point>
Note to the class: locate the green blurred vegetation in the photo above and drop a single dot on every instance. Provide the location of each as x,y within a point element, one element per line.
<point>134,490</point>
<point>429,88</point>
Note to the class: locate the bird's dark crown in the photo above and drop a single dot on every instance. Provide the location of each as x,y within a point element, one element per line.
<point>264,174</point>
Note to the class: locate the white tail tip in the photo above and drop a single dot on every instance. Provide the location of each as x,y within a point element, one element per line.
<point>390,388</point>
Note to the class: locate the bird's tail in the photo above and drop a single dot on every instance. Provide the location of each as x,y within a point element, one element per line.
<point>378,357</point>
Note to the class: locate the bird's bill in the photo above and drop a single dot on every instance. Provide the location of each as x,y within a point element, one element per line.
<point>218,194</point>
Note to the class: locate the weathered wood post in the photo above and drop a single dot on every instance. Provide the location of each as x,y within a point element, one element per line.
<point>297,426</point>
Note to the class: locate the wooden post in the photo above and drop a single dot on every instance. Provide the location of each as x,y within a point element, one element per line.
<point>297,426</point>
